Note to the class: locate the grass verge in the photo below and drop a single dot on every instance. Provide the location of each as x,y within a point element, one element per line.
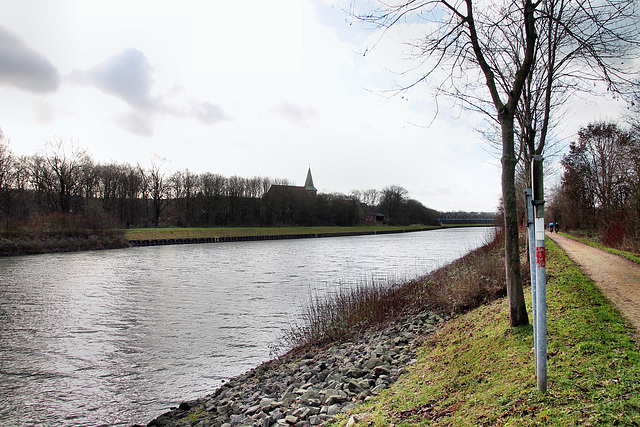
<point>479,371</point>
<point>191,233</point>
<point>628,255</point>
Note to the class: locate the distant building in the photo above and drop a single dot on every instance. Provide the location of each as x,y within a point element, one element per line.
<point>291,204</point>
<point>298,192</point>
<point>308,183</point>
<point>299,205</point>
<point>370,215</point>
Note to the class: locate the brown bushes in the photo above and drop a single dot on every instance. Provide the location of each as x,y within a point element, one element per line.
<point>59,232</point>
<point>462,285</point>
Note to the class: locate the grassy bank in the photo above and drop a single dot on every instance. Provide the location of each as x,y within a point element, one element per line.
<point>479,371</point>
<point>191,233</point>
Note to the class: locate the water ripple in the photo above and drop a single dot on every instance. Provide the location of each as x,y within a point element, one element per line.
<point>116,337</point>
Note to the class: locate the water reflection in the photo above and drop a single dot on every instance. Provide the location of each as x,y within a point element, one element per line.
<point>116,337</point>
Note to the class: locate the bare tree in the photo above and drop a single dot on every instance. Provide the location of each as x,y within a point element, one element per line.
<point>132,193</point>
<point>369,197</point>
<point>633,116</point>
<point>184,186</point>
<point>605,151</point>
<point>392,202</point>
<point>7,164</point>
<point>158,186</point>
<point>499,41</point>
<point>58,172</point>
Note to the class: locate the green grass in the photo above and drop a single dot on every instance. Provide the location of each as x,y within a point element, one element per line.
<point>184,233</point>
<point>479,371</point>
<point>629,255</point>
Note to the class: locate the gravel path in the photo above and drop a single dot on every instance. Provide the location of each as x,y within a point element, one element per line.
<point>617,277</point>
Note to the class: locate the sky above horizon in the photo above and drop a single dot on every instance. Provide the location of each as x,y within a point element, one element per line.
<point>250,88</point>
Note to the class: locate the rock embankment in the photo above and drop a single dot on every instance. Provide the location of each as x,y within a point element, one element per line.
<point>308,389</point>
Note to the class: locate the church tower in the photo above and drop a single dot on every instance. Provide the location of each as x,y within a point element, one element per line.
<point>308,184</point>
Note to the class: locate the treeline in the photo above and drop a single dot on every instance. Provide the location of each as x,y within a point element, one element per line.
<point>63,182</point>
<point>600,188</point>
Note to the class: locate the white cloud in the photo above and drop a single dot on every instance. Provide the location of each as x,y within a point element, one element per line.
<point>24,68</point>
<point>206,112</point>
<point>299,115</point>
<point>136,123</point>
<point>126,75</point>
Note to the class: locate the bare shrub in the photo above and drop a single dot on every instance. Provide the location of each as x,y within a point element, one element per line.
<point>462,285</point>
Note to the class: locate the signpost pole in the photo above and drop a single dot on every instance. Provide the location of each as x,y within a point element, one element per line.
<point>531,239</point>
<point>541,276</point>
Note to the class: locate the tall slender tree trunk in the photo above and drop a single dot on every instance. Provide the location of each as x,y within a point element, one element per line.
<point>515,294</point>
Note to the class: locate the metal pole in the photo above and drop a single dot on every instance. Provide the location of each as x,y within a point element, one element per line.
<point>531,238</point>
<point>541,276</point>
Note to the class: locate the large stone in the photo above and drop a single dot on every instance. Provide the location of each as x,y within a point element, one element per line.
<point>381,370</point>
<point>333,410</point>
<point>291,419</point>
<point>334,396</point>
<point>354,386</point>
<point>372,362</point>
<point>315,420</point>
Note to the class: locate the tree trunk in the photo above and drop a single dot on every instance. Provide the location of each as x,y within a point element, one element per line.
<point>515,294</point>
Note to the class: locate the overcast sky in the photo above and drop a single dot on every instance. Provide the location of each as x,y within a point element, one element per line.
<point>248,88</point>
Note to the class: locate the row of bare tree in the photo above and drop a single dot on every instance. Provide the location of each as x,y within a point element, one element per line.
<point>600,188</point>
<point>63,178</point>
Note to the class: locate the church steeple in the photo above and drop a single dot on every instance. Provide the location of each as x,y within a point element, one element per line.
<point>308,184</point>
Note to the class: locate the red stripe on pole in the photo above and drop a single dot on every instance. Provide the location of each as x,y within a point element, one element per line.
<point>541,257</point>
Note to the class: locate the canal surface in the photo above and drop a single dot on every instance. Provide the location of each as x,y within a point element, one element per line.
<point>117,337</point>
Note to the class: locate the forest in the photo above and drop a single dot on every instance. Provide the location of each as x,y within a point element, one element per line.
<point>61,187</point>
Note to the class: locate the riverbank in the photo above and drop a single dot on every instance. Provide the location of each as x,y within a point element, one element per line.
<point>178,236</point>
<point>38,243</point>
<point>311,385</point>
<point>472,370</point>
<point>29,243</point>
<point>479,371</point>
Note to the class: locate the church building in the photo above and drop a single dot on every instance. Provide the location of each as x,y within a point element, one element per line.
<point>307,190</point>
<point>291,204</point>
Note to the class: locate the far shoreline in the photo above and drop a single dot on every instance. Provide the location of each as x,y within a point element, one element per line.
<point>280,234</point>
<point>142,237</point>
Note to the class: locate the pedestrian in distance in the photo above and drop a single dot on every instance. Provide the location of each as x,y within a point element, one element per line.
<point>551,227</point>
<point>557,227</point>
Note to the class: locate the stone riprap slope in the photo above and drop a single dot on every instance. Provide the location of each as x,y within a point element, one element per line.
<point>308,389</point>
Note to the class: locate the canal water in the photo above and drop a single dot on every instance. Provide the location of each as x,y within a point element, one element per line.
<point>117,337</point>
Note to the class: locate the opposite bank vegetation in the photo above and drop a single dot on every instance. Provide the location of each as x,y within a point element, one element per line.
<point>62,233</point>
<point>477,370</point>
